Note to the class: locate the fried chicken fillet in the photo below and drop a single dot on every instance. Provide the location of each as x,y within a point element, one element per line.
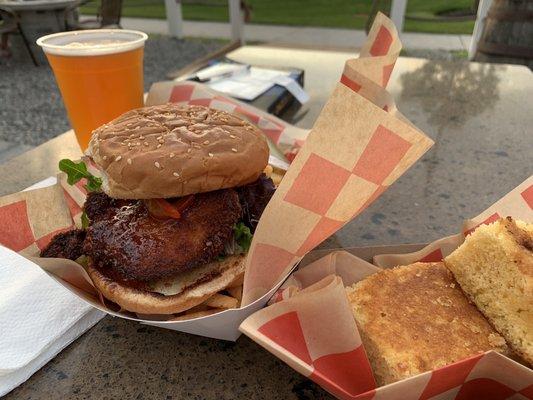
<point>128,244</point>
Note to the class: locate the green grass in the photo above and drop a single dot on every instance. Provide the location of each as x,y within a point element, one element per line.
<point>323,13</point>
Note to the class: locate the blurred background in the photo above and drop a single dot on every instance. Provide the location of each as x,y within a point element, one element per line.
<point>183,32</point>
<point>455,16</point>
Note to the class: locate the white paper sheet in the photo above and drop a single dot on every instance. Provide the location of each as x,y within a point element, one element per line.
<point>248,85</point>
<point>38,317</point>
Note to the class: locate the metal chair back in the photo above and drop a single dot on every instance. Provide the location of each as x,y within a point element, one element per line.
<point>110,12</point>
<point>8,22</point>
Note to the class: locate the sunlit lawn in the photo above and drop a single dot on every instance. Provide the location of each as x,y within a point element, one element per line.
<point>324,13</point>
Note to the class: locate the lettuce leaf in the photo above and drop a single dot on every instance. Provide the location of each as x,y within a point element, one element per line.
<point>77,171</point>
<point>243,236</point>
<point>240,242</point>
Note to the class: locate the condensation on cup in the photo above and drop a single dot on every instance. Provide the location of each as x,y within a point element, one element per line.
<point>99,73</point>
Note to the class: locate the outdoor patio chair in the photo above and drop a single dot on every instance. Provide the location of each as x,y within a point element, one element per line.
<point>9,23</point>
<point>109,14</point>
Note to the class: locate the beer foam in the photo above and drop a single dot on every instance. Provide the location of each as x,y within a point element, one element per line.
<point>92,42</point>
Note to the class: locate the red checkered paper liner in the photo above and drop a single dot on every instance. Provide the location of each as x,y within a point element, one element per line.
<point>518,203</point>
<point>314,332</point>
<point>354,152</point>
<point>310,326</point>
<point>29,220</point>
<point>369,74</point>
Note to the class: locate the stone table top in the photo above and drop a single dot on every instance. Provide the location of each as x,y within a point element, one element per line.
<point>481,120</point>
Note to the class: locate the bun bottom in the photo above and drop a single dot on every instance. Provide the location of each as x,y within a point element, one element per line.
<point>223,274</point>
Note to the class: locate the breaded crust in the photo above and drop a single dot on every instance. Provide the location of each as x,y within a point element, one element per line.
<point>199,288</point>
<point>127,244</point>
<point>65,245</point>
<point>415,318</point>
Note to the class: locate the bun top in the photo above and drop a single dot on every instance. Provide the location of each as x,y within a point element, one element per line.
<point>171,151</point>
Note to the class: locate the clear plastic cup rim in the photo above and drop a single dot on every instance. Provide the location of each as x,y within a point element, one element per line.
<point>56,43</point>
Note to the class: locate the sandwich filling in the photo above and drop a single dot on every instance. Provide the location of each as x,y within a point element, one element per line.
<point>137,245</point>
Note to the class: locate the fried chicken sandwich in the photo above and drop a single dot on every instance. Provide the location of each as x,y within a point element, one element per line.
<point>182,190</point>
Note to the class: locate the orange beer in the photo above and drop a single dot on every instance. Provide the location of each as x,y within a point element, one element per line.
<point>99,74</point>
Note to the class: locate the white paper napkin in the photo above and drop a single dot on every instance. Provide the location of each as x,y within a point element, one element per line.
<point>38,317</point>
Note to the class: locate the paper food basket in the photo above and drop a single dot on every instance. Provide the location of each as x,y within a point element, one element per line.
<point>310,325</point>
<point>358,147</point>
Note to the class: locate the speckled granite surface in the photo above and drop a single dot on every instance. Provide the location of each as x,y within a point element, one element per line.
<point>479,115</point>
<point>118,359</point>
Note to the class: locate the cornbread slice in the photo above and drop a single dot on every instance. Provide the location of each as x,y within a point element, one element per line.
<point>494,266</point>
<point>415,318</point>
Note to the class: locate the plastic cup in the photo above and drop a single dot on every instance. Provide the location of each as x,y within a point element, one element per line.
<point>99,73</point>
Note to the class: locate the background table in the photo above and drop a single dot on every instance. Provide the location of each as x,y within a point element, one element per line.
<point>478,114</point>
<point>39,18</point>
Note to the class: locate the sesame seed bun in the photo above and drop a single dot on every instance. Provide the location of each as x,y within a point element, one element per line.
<point>174,295</point>
<point>170,151</point>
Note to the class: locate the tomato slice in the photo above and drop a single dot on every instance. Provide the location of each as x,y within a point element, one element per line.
<point>184,202</point>
<point>163,209</point>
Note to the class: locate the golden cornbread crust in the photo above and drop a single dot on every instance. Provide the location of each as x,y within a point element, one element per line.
<point>415,318</point>
<point>494,266</point>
